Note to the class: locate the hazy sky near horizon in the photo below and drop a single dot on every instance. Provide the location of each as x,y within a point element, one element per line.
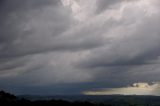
<point>76,46</point>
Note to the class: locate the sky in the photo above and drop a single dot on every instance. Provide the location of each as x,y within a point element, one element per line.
<point>91,47</point>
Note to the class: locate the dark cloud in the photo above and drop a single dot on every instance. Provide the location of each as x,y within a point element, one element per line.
<point>138,49</point>
<point>30,27</point>
<point>47,43</point>
<point>102,5</point>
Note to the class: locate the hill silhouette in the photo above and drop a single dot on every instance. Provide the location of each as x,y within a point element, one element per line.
<point>7,99</point>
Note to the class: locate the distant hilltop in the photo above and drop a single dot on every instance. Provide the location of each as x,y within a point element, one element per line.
<point>6,96</point>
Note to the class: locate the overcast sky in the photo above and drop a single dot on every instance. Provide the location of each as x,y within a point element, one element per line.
<point>80,46</point>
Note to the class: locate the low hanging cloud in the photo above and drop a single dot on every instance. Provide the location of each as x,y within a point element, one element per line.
<point>135,89</point>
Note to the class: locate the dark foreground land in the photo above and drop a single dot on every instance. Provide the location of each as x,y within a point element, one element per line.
<point>7,99</point>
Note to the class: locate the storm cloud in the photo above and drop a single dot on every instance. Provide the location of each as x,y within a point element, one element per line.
<point>105,43</point>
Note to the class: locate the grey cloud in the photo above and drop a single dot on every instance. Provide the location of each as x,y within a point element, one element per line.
<point>42,44</point>
<point>35,30</point>
<point>29,32</point>
<point>138,49</point>
<point>102,5</point>
<point>9,64</point>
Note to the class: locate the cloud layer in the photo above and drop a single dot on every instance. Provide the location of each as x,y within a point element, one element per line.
<point>58,42</point>
<point>135,89</point>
